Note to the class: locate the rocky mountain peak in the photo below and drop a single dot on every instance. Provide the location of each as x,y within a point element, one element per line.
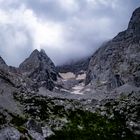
<point>2,62</point>
<point>39,54</point>
<point>37,59</point>
<point>133,30</point>
<point>42,51</point>
<point>35,53</point>
<point>39,67</point>
<point>134,24</point>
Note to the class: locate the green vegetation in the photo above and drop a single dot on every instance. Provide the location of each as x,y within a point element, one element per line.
<point>80,124</point>
<point>91,126</point>
<point>18,120</point>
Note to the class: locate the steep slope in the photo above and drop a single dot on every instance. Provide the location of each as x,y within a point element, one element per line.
<point>117,63</point>
<point>40,69</point>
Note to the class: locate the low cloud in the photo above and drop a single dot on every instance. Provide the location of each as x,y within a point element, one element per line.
<point>66,30</point>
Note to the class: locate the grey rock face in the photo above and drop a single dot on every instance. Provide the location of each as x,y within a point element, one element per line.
<point>34,129</point>
<point>38,132</point>
<point>134,24</point>
<point>47,132</point>
<point>40,69</point>
<point>9,133</point>
<point>118,61</point>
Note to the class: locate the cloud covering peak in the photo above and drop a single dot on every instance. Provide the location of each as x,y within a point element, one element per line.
<point>65,29</point>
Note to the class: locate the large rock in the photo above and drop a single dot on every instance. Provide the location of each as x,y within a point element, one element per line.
<point>38,132</point>
<point>118,61</point>
<point>9,133</point>
<point>40,69</point>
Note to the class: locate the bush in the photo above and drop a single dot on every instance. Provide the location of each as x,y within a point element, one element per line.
<point>91,126</point>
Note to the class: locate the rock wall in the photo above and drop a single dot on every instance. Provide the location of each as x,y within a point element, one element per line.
<point>117,62</point>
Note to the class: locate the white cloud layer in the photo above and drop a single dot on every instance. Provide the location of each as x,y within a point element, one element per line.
<point>66,29</point>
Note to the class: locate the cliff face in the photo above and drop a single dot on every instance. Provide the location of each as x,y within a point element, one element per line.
<point>118,61</point>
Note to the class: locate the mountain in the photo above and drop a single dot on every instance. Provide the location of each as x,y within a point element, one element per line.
<point>40,69</point>
<point>34,105</point>
<point>75,67</point>
<point>117,63</point>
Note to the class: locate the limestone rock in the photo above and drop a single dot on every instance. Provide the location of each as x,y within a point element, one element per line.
<point>40,69</point>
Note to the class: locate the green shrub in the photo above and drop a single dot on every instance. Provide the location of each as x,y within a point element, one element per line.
<point>18,120</point>
<point>91,126</point>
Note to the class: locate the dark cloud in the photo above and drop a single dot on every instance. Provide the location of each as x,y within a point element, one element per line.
<point>67,29</point>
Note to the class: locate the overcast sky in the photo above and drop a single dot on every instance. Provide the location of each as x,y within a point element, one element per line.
<point>65,29</point>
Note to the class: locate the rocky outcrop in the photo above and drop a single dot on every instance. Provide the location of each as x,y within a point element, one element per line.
<point>10,133</point>
<point>40,69</point>
<point>117,62</point>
